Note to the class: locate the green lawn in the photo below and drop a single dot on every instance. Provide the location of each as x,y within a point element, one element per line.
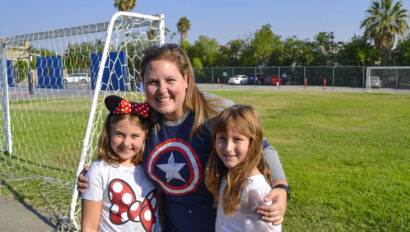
<point>346,157</point>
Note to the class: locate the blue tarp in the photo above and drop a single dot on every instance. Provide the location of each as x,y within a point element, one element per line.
<point>10,73</point>
<point>50,72</point>
<point>114,75</point>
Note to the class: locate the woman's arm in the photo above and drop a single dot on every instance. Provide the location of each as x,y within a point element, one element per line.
<point>90,215</point>
<point>82,181</point>
<point>274,213</point>
<point>272,159</point>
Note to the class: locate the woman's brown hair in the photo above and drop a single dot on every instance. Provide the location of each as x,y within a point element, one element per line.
<point>245,120</point>
<point>105,151</point>
<point>194,100</point>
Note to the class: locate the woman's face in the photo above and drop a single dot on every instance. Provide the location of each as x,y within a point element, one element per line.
<point>165,88</point>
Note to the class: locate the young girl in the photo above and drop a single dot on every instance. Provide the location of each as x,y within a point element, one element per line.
<point>120,196</point>
<point>237,174</point>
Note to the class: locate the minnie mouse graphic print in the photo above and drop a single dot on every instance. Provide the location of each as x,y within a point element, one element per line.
<point>126,205</point>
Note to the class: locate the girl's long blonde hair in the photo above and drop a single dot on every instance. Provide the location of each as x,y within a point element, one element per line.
<point>245,120</point>
<point>105,151</point>
<point>194,100</point>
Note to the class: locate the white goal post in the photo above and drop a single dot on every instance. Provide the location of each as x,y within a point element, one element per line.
<point>52,86</point>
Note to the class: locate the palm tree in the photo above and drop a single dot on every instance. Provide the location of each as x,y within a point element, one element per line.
<point>124,5</point>
<point>385,20</point>
<point>184,26</point>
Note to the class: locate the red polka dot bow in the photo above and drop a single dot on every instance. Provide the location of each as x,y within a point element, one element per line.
<point>125,206</point>
<point>126,107</point>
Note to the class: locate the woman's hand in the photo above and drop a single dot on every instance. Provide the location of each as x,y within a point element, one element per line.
<point>82,181</point>
<point>276,211</point>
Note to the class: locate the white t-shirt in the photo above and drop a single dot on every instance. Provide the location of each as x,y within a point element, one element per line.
<point>129,200</point>
<point>245,217</point>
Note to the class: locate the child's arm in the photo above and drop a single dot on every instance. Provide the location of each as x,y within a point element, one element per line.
<point>90,215</point>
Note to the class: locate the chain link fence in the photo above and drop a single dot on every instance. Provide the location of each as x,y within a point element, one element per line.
<point>332,76</point>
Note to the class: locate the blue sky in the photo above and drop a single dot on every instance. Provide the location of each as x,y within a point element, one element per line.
<point>223,20</point>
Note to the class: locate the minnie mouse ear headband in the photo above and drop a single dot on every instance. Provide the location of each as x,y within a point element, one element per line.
<point>119,105</point>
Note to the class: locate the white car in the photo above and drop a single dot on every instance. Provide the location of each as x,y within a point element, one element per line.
<point>375,82</point>
<point>238,80</point>
<point>82,78</point>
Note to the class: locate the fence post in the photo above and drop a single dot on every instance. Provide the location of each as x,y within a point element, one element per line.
<point>397,78</point>
<point>5,98</point>
<point>304,77</point>
<point>255,76</point>
<point>212,69</point>
<point>368,90</point>
<point>363,78</point>
<point>333,79</point>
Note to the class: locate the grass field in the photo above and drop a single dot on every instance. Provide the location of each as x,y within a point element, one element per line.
<point>346,156</point>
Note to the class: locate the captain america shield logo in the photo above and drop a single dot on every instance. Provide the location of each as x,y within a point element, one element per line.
<point>175,166</point>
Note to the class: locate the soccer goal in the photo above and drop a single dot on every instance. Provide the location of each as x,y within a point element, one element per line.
<point>388,77</point>
<point>52,87</point>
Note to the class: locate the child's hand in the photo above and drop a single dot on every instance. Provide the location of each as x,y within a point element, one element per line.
<point>82,182</point>
<point>274,213</point>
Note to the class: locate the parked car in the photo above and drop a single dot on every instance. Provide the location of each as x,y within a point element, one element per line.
<point>273,80</point>
<point>375,82</point>
<point>238,80</point>
<point>82,78</point>
<point>255,79</point>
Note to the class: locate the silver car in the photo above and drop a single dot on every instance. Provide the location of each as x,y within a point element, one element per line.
<point>82,78</point>
<point>375,82</point>
<point>238,80</point>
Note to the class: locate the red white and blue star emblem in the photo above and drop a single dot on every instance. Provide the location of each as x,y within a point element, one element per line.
<point>175,166</point>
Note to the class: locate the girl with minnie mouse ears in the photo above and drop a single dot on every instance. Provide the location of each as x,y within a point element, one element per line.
<point>120,197</point>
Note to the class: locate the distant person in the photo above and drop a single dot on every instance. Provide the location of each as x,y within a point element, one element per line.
<point>120,196</point>
<point>236,174</point>
<point>179,143</point>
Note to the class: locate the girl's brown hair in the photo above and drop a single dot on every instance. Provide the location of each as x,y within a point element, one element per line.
<point>105,151</point>
<point>245,120</point>
<point>194,99</point>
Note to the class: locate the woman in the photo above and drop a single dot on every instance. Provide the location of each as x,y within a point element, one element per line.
<point>179,144</point>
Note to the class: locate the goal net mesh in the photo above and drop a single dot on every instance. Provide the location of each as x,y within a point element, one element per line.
<point>52,87</point>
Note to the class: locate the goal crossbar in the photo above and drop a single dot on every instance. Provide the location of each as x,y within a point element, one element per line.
<point>80,30</point>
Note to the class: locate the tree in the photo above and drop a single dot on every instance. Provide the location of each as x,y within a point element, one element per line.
<point>358,52</point>
<point>325,48</point>
<point>21,67</point>
<point>77,57</point>
<point>260,47</point>
<point>206,49</point>
<point>124,5</point>
<point>183,27</point>
<point>296,52</point>
<point>230,54</point>
<point>401,54</point>
<point>385,20</point>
